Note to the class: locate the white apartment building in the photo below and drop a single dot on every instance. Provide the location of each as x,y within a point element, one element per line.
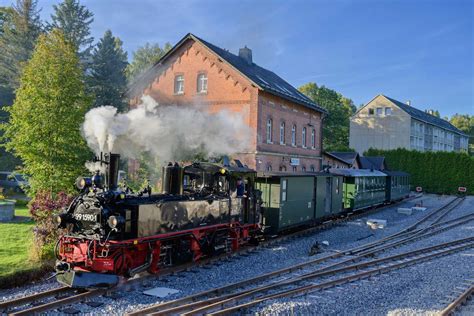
<point>385,123</point>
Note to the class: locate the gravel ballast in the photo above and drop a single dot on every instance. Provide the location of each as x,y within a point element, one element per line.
<point>411,290</point>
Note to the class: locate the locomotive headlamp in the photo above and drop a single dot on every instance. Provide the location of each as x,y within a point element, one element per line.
<point>115,221</point>
<point>62,220</point>
<point>82,183</point>
<point>58,220</point>
<point>222,171</point>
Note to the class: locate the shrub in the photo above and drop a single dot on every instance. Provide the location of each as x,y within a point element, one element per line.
<point>436,172</point>
<point>43,208</point>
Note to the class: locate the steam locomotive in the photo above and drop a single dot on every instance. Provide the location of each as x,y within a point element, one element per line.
<point>204,209</point>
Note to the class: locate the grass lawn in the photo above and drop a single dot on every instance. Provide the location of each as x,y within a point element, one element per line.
<point>15,240</point>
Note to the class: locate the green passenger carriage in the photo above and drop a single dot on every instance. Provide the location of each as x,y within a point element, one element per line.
<point>398,185</point>
<point>362,187</point>
<point>293,200</point>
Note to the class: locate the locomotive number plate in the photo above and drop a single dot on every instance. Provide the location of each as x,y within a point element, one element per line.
<point>86,217</point>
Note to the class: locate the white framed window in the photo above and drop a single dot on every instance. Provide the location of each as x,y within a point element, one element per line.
<point>269,130</point>
<point>313,138</point>
<point>303,137</point>
<point>379,111</point>
<point>282,133</point>
<point>202,83</point>
<point>388,111</point>
<point>293,135</point>
<point>179,84</point>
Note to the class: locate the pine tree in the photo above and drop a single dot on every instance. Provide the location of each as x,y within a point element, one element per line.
<point>74,20</point>
<point>144,57</point>
<point>107,78</point>
<point>18,40</point>
<point>44,126</point>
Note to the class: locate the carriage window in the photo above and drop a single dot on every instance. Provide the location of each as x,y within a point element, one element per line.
<point>186,181</point>
<point>283,190</point>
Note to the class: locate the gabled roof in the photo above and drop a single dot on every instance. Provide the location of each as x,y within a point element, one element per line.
<point>396,173</point>
<point>262,78</point>
<point>357,172</point>
<point>425,117</point>
<point>346,157</point>
<point>376,163</point>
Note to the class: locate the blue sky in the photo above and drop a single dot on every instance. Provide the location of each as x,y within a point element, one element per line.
<point>416,50</point>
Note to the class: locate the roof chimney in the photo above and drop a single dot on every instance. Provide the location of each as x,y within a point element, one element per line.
<point>246,54</point>
<point>408,102</point>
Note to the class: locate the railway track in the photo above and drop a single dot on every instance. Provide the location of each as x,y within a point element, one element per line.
<point>398,262</point>
<point>462,296</point>
<point>353,255</point>
<point>67,297</point>
<point>238,298</point>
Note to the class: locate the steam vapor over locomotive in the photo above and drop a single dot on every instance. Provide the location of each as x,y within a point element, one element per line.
<point>204,209</point>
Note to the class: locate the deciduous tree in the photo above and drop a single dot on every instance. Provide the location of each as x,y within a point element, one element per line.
<point>465,123</point>
<point>144,57</point>
<point>336,124</point>
<point>45,119</point>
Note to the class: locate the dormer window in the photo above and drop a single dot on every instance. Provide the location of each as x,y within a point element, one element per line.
<point>179,84</point>
<point>202,83</point>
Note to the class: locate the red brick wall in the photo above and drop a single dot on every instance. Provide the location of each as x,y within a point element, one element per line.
<point>228,89</point>
<point>280,110</point>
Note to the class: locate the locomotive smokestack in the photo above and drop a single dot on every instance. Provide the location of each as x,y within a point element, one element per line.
<point>112,172</point>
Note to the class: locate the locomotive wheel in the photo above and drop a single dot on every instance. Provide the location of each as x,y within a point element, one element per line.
<point>122,264</point>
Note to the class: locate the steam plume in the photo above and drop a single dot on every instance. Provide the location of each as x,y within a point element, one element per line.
<point>167,132</point>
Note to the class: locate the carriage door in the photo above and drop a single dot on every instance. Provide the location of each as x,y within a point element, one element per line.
<point>327,196</point>
<point>248,202</point>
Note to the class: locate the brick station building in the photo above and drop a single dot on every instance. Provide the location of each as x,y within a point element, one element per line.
<point>285,124</point>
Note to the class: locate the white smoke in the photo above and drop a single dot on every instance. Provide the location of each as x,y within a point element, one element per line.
<point>168,133</point>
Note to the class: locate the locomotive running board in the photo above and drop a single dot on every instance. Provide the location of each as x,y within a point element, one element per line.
<point>82,279</point>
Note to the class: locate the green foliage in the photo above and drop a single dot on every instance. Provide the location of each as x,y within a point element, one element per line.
<point>18,40</point>
<point>5,18</point>
<point>19,29</point>
<point>45,119</point>
<point>107,79</point>
<point>336,124</point>
<point>465,123</point>
<point>144,57</point>
<point>74,20</point>
<point>43,208</point>
<point>148,173</point>
<point>436,172</point>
